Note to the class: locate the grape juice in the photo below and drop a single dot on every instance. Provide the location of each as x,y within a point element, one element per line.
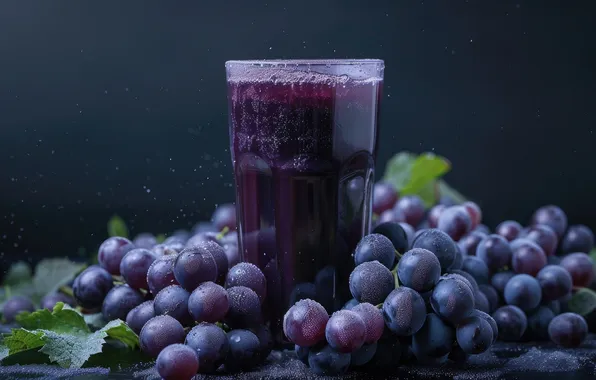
<point>303,145</point>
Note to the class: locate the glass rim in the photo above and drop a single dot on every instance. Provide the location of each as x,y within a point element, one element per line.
<point>305,62</point>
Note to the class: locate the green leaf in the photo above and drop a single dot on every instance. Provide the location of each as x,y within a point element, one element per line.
<point>397,171</point>
<point>18,273</point>
<point>96,321</point>
<point>117,227</point>
<point>425,169</point>
<point>429,193</point>
<point>22,340</point>
<point>160,238</point>
<point>51,274</point>
<point>3,350</point>
<point>448,191</point>
<point>583,302</point>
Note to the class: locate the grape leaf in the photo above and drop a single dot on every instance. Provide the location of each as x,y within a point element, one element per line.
<point>448,191</point>
<point>19,272</point>
<point>95,321</point>
<point>398,169</point>
<point>583,302</point>
<point>64,336</point>
<point>117,227</point>
<point>51,274</point>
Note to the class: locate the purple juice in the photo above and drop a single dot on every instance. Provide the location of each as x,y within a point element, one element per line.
<point>303,141</point>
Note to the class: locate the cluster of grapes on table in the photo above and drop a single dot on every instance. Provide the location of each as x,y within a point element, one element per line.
<point>435,285</point>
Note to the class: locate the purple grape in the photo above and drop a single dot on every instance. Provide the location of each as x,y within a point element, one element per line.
<point>224,216</point>
<point>477,269</point>
<point>439,243</point>
<point>568,330</point>
<point>482,228</point>
<point>371,282</point>
<point>134,267</point>
<point>160,332</point>
<point>581,268</point>
<point>208,303</point>
<point>177,362</point>
<point>91,286</point>
<point>193,266</point>
<point>161,274</point>
<point>232,254</point>
<point>538,321</point>
<point>469,243</point>
<point>491,296</point>
<point>202,237</point>
<point>50,300</point>
<point>244,307</point>
<point>304,323</point>
<point>145,240</point>
<point>523,291</point>
<point>455,222</point>
<point>475,213</point>
<point>363,355</point>
<point>384,197</point>
<point>579,238</point>
<point>452,299</point>
<point>173,301</point>
<point>220,257</point>
<point>120,301</point>
<point>244,350</point>
<point>495,251</point>
<point>302,291</point>
<point>434,340</point>
<point>161,250</point>
<point>249,275</point>
<point>555,306</point>
<point>345,331</point>
<point>138,316</point>
<point>433,215</point>
<point>553,217</point>
<point>509,229</point>
<point>412,209</point>
<point>266,341</point>
<point>16,305</point>
<point>211,344</point>
<point>375,247</point>
<point>499,280</point>
<point>386,217</point>
<point>481,302</point>
<point>474,335</point>
<point>175,240</point>
<point>230,238</point>
<point>467,278</point>
<point>491,322</point>
<point>410,232</point>
<point>555,282</point>
<point>544,236</point>
<point>302,353</point>
<point>402,310</point>
<point>394,232</point>
<point>419,269</point>
<point>373,321</point>
<point>511,322</point>
<point>527,257</point>
<point>203,227</point>
<point>458,262</point>
<point>111,252</point>
<point>326,361</point>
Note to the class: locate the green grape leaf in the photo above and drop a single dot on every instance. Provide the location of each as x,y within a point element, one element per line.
<point>583,302</point>
<point>446,190</point>
<point>425,169</point>
<point>117,227</point>
<point>52,274</point>
<point>18,273</point>
<point>398,169</point>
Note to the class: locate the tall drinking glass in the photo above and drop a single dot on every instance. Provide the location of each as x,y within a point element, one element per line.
<point>303,137</point>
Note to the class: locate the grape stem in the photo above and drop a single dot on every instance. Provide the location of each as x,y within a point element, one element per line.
<point>223,233</point>
<point>67,290</point>
<point>394,273</point>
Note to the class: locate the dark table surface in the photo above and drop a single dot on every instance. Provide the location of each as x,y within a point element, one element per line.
<point>503,361</point>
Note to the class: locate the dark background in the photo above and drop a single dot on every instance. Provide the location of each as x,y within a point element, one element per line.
<point>120,107</point>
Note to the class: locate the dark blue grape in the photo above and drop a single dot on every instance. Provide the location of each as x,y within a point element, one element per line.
<point>491,296</point>
<point>568,330</point>
<point>388,355</point>
<point>231,251</point>
<point>201,238</point>
<point>579,238</point>
<point>304,323</point>
<point>474,212</point>
<point>474,335</point>
<point>544,236</point>
<point>175,240</point>
<point>50,300</point>
<point>402,310</point>
<point>490,320</point>
<point>511,322</point>
<point>477,269</point>
<point>193,266</point>
<point>458,262</point>
<point>469,243</point>
<point>538,321</point>
<point>211,344</point>
<point>384,197</point>
<point>363,355</point>
<point>345,331</point>
<point>411,208</point>
<point>224,216</point>
<point>433,215</point>
<point>483,228</point>
<point>244,350</point>
<point>173,301</point>
<point>111,252</point>
<point>302,291</point>
<point>145,240</point>
<point>220,257</point>
<point>394,232</point>
<point>555,306</point>
<point>158,333</point>
<point>161,274</point>
<point>410,232</point>
<point>553,260</point>
<point>134,267</point>
<point>91,286</point>
<point>434,340</point>
<point>528,257</point>
<point>481,302</point>
<point>373,321</point>
<point>120,301</point>
<point>495,252</point>
<point>137,317</point>
<point>439,243</point>
<point>326,361</point>
<point>203,227</point>
<point>162,250</point>
<point>555,282</point>
<point>208,303</point>
<point>523,291</point>
<point>244,307</point>
<point>581,268</point>
<point>457,355</point>
<point>509,229</point>
<point>350,304</point>
<point>266,341</point>
<point>16,305</point>
<point>375,247</point>
<point>553,217</point>
<point>452,300</point>
<point>325,281</point>
<point>455,222</point>
<point>467,278</point>
<point>419,269</point>
<point>302,353</point>
<point>371,282</point>
<point>177,362</point>
<point>499,280</point>
<point>250,276</point>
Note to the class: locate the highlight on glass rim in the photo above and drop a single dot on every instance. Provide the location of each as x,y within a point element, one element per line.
<point>297,191</point>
